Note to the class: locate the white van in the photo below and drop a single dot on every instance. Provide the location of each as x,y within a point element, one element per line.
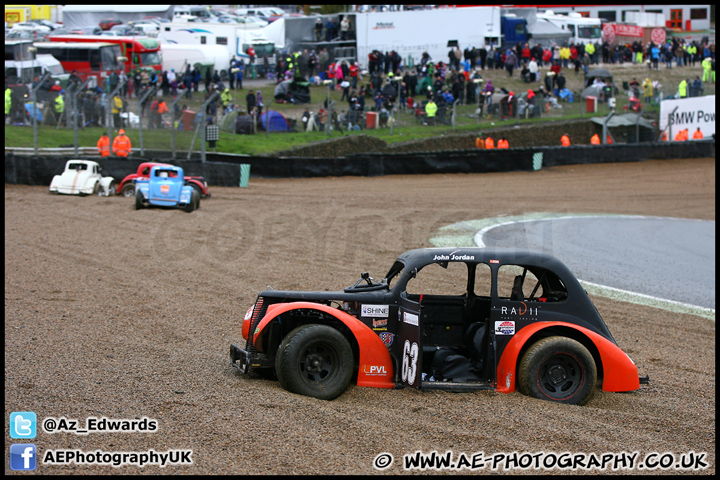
<point>23,72</point>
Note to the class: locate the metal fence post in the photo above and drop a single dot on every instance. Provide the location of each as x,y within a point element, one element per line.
<point>172,110</point>
<point>109,108</point>
<point>151,91</point>
<point>201,125</point>
<point>74,95</point>
<point>33,93</point>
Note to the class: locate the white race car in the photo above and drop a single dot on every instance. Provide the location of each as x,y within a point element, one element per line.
<point>82,177</point>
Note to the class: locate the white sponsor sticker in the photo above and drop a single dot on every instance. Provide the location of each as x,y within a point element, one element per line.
<point>506,327</point>
<point>375,311</point>
<point>410,318</point>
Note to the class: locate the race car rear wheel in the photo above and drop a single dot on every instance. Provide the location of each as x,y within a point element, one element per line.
<point>316,361</point>
<point>558,369</point>
<point>193,203</point>
<point>128,190</point>
<point>139,200</point>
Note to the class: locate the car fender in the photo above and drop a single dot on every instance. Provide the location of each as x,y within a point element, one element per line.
<point>105,183</point>
<point>620,372</point>
<point>375,364</point>
<point>54,183</point>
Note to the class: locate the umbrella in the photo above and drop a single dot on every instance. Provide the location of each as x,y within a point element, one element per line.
<point>591,91</point>
<point>598,73</point>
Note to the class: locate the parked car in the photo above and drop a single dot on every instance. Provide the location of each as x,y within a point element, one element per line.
<point>82,177</point>
<point>107,23</point>
<point>459,319</point>
<point>126,187</point>
<point>165,187</point>
<point>89,30</point>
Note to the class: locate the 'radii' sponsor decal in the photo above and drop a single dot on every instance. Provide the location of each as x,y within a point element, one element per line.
<point>506,327</point>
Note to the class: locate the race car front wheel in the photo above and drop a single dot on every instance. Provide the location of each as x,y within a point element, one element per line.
<point>316,361</point>
<point>558,369</point>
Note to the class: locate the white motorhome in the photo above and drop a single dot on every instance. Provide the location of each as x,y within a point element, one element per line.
<point>179,55</point>
<point>582,29</point>
<point>235,38</point>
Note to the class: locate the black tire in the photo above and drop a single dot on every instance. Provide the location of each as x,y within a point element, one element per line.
<point>194,201</point>
<point>315,361</point>
<point>558,369</point>
<point>199,194</point>
<point>112,189</point>
<point>128,190</point>
<point>139,200</point>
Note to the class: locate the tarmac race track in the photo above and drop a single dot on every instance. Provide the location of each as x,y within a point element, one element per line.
<point>667,258</point>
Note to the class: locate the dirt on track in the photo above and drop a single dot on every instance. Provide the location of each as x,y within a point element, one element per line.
<point>128,314</point>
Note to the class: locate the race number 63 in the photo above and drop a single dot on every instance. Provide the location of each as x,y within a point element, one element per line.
<point>410,362</point>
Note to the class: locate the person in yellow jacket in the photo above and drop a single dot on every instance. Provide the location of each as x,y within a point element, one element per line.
<point>8,103</point>
<point>59,103</point>
<point>595,139</point>
<point>683,89</point>
<point>565,140</point>
<point>225,99</point>
<point>647,90</point>
<point>431,110</point>
<point>103,145</point>
<point>707,67</point>
<point>122,145</point>
<point>117,106</point>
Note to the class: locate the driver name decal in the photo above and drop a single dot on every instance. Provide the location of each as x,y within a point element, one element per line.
<point>375,311</point>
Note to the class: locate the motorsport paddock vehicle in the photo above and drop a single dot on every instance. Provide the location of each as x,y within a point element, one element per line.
<point>458,319</point>
<point>82,177</point>
<point>165,187</point>
<point>126,187</point>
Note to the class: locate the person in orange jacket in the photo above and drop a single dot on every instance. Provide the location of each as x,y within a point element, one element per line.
<point>489,143</point>
<point>608,139</point>
<point>681,136</point>
<point>121,145</point>
<point>503,143</point>
<point>480,141</point>
<point>698,135</point>
<point>565,140</point>
<point>103,145</point>
<point>595,139</point>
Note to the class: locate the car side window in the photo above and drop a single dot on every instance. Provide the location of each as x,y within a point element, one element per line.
<point>145,171</point>
<point>448,278</point>
<point>519,283</point>
<point>483,280</point>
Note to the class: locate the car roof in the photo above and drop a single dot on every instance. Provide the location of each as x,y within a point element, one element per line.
<point>424,256</point>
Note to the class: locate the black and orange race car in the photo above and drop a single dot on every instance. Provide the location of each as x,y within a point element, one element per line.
<point>458,319</point>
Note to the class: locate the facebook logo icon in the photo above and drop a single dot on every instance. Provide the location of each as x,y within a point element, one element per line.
<point>23,425</point>
<point>23,456</point>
